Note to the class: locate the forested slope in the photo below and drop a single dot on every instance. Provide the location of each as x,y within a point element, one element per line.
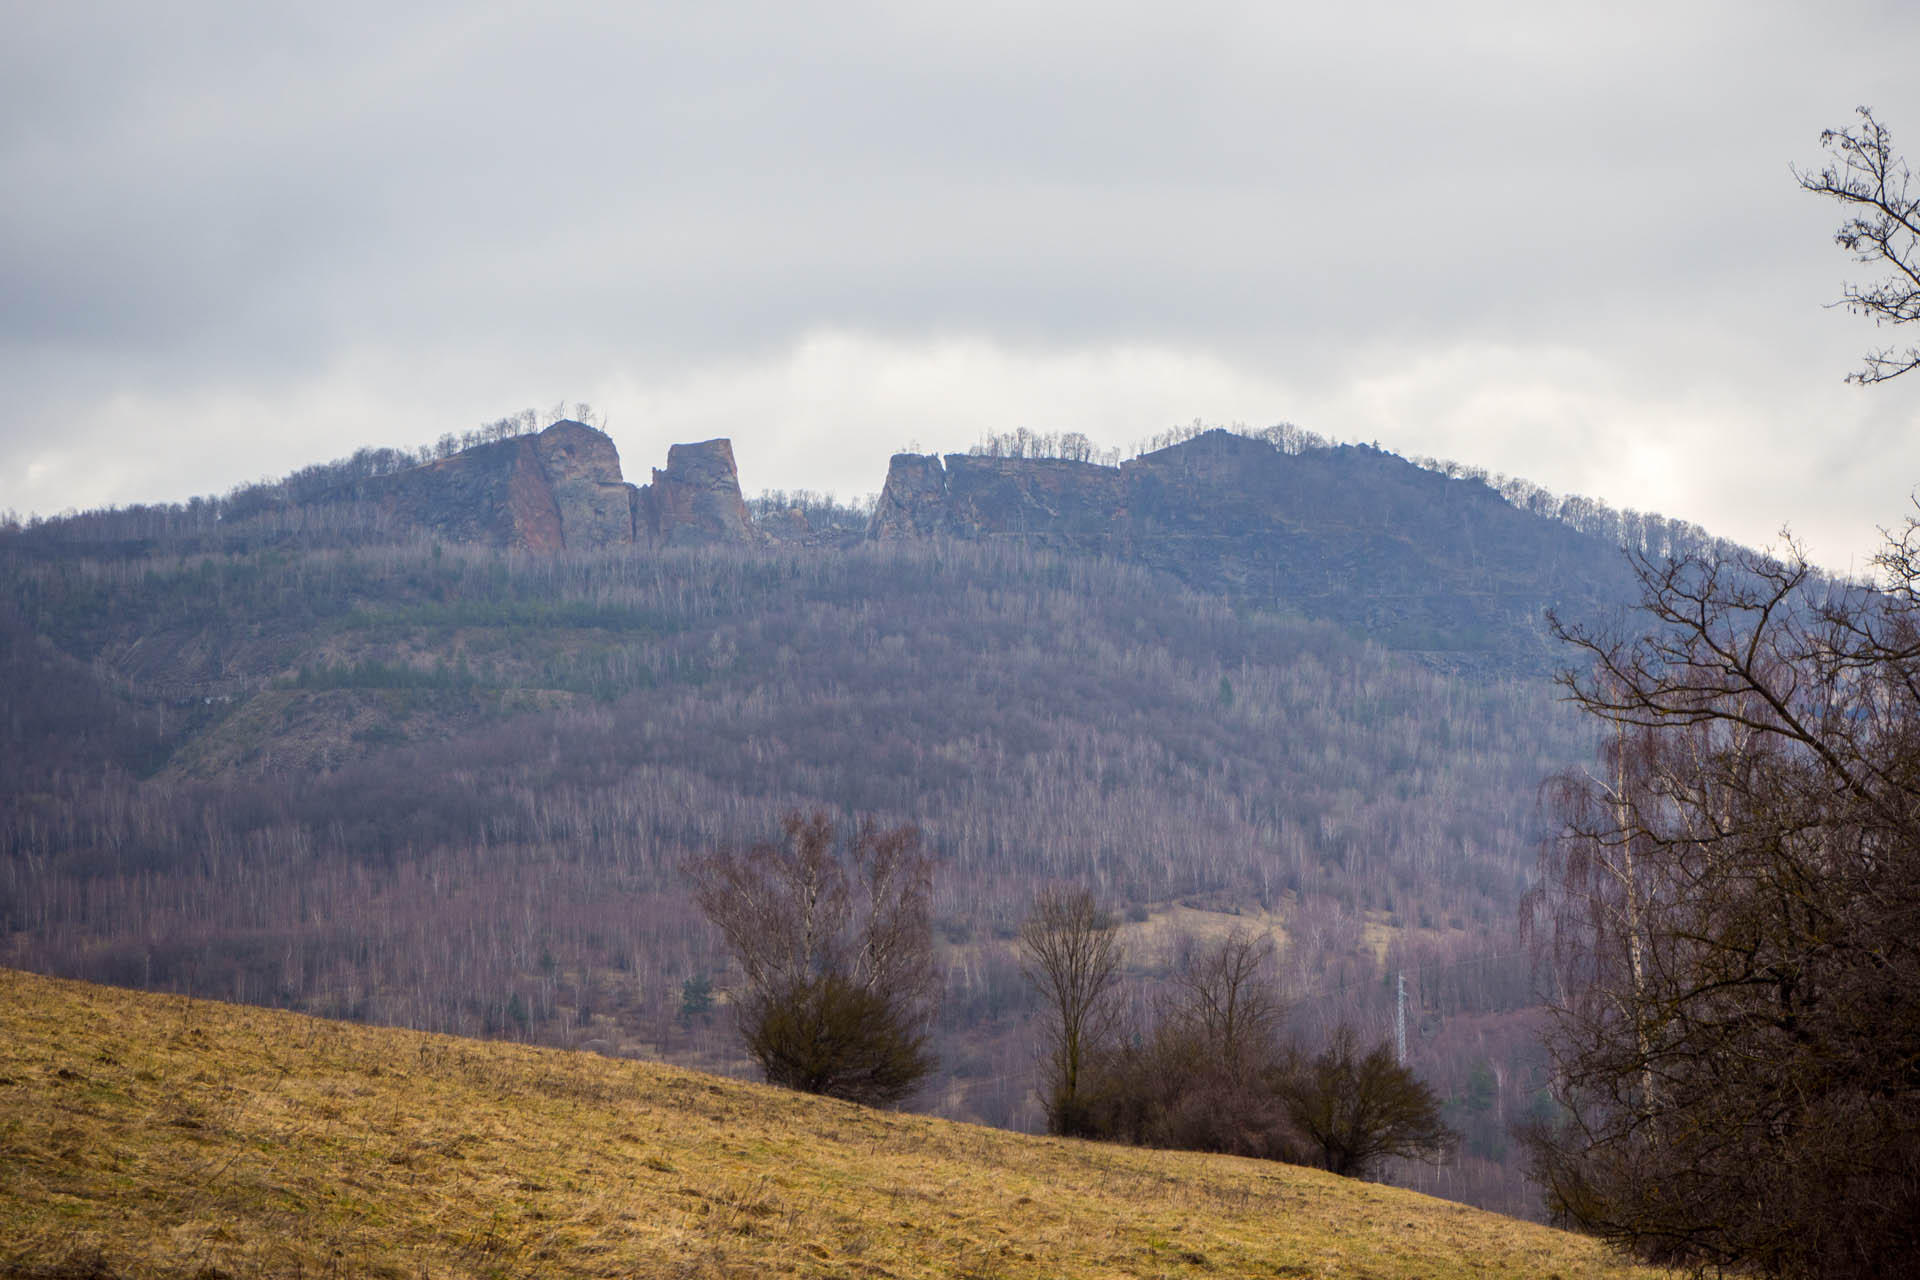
<point>451,786</point>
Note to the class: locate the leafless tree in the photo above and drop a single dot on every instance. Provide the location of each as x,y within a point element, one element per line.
<point>1882,228</point>
<point>1205,1077</point>
<point>1224,999</point>
<point>1070,952</point>
<point>834,942</point>
<point>1733,905</point>
<point>1358,1108</point>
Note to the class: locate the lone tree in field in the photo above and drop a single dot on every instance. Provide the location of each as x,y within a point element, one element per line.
<point>1882,228</point>
<point>1733,909</point>
<point>1070,952</point>
<point>834,940</point>
<point>1357,1108</point>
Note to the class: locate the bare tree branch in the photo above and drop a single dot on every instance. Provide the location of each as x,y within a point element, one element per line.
<point>1882,229</point>
<point>1733,902</point>
<point>1070,952</point>
<point>835,945</point>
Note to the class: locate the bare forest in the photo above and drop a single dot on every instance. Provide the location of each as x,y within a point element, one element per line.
<point>456,788</point>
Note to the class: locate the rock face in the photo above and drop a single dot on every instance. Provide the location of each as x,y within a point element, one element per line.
<point>694,502</point>
<point>1070,505</point>
<point>914,502</point>
<point>1048,501</point>
<point>562,489</point>
<point>1077,506</point>
<point>497,494</point>
<point>1416,560</point>
<point>583,474</point>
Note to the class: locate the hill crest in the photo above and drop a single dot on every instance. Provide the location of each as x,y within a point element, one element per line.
<point>1440,566</point>
<point>562,489</point>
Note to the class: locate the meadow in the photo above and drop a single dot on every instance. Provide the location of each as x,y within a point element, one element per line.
<point>146,1135</point>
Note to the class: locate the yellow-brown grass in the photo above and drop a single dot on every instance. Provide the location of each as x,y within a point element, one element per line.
<point>146,1135</point>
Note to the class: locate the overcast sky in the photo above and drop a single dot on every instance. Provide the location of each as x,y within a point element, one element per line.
<point>1559,241</point>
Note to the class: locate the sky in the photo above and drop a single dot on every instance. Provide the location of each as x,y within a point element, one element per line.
<point>1556,241</point>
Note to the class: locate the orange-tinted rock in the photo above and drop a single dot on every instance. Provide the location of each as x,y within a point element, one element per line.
<point>562,489</point>
<point>533,515</point>
<point>914,502</point>
<point>582,469</point>
<point>495,494</point>
<point>694,502</point>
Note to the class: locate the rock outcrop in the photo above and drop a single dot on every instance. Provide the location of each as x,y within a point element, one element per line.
<point>694,502</point>
<point>583,474</point>
<point>1078,506</point>
<point>496,494</point>
<point>562,489</point>
<point>1070,505</point>
<point>1416,560</point>
<point>914,502</point>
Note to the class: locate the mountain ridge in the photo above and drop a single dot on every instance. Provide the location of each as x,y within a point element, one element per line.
<point>1414,559</point>
<point>1435,564</point>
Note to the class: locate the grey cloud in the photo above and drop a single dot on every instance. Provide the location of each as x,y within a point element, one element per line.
<point>222,195</point>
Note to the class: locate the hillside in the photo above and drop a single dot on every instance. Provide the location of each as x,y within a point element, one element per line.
<point>306,747</point>
<point>1420,562</point>
<point>452,790</point>
<point>151,1136</point>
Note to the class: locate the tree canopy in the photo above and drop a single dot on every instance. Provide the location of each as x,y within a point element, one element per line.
<point>1864,173</point>
<point>1733,908</point>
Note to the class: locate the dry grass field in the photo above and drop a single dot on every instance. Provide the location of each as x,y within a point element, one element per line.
<point>146,1135</point>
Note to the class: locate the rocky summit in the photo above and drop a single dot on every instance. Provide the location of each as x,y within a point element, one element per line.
<point>1436,565</point>
<point>562,488</point>
<point>1432,562</point>
<point>694,502</point>
<point>1440,566</point>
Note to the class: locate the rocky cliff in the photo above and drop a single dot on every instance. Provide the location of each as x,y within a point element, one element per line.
<point>694,502</point>
<point>1418,561</point>
<point>562,488</point>
<point>582,469</point>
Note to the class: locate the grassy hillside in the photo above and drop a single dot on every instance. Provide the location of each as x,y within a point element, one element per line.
<point>149,1135</point>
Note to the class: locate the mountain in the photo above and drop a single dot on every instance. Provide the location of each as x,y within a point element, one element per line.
<point>1415,560</point>
<point>427,744</point>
